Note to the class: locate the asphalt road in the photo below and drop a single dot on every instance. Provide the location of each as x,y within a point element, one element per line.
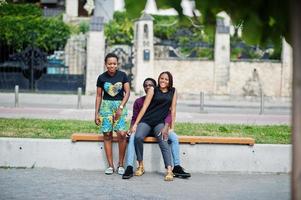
<point>74,184</point>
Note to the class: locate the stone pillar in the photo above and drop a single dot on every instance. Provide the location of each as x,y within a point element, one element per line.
<point>286,70</point>
<point>75,54</point>
<point>95,54</point>
<point>143,51</point>
<point>222,54</point>
<point>72,8</point>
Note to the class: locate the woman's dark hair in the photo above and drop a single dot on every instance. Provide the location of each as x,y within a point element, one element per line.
<point>169,77</point>
<point>150,79</point>
<point>111,55</point>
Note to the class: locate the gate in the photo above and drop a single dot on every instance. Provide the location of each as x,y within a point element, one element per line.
<point>125,56</point>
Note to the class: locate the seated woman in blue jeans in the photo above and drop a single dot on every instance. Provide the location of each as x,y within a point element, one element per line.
<point>157,104</point>
<point>172,138</point>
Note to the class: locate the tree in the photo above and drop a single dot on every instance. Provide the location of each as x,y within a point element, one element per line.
<point>23,25</point>
<point>260,17</point>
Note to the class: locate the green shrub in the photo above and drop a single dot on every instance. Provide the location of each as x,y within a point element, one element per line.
<point>276,55</point>
<point>250,53</point>
<point>76,29</point>
<point>20,10</point>
<point>83,27</point>
<point>119,30</point>
<point>205,53</point>
<point>235,53</point>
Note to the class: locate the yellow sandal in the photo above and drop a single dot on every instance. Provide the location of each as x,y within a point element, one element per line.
<point>168,176</point>
<point>139,171</point>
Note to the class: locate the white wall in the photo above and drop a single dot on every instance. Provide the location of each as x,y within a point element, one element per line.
<point>195,76</point>
<point>63,154</point>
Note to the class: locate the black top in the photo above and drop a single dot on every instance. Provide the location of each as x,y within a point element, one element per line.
<point>159,107</point>
<point>112,85</point>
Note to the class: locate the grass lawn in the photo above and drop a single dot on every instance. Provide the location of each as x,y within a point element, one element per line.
<point>56,129</point>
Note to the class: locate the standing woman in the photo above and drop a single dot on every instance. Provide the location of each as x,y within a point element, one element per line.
<point>157,104</point>
<point>113,91</point>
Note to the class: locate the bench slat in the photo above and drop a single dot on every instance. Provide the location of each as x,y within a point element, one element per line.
<point>76,137</point>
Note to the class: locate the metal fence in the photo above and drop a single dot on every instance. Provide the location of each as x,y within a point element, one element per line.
<point>242,51</point>
<point>34,70</point>
<point>191,50</point>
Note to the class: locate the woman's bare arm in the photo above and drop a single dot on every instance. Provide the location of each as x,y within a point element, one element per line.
<point>148,98</point>
<point>97,104</point>
<point>125,99</point>
<point>173,110</point>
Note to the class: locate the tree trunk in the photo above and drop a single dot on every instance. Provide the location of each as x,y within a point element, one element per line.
<point>296,110</point>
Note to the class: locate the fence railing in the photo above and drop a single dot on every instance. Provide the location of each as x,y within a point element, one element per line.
<point>210,103</point>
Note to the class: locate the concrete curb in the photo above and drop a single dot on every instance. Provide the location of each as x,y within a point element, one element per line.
<point>200,158</point>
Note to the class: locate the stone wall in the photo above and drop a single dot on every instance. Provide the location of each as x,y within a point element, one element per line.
<point>189,76</point>
<point>246,78</point>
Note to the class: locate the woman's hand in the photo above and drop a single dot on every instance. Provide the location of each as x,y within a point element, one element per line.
<point>117,114</point>
<point>133,128</point>
<point>164,132</point>
<point>128,133</point>
<point>97,120</point>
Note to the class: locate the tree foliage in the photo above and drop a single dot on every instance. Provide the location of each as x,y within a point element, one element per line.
<point>120,29</point>
<point>191,40</point>
<point>19,31</point>
<point>136,8</point>
<point>20,10</point>
<point>260,19</point>
<point>169,28</point>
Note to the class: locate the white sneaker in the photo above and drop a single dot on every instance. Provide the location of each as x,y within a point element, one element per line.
<point>109,171</point>
<point>120,170</point>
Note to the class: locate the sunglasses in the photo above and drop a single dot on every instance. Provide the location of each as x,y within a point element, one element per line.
<point>148,85</point>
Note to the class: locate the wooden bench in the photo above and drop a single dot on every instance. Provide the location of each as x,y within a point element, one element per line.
<point>76,137</point>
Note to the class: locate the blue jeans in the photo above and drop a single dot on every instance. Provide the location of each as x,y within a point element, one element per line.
<point>172,139</point>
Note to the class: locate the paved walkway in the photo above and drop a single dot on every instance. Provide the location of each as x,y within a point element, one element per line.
<point>88,114</point>
<point>28,184</point>
<point>224,111</point>
<point>212,104</point>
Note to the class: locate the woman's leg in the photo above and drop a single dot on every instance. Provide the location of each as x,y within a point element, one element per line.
<point>120,126</point>
<point>142,131</point>
<point>130,151</point>
<point>178,171</point>
<point>121,135</point>
<point>108,137</point>
<point>163,145</point>
<point>106,127</point>
<point>129,158</point>
<point>175,147</point>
